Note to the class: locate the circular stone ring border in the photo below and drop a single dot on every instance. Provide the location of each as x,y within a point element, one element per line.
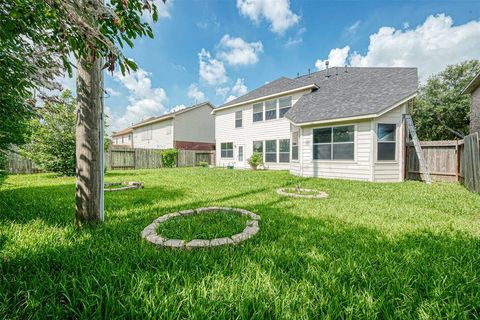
<point>318,195</point>
<point>250,230</point>
<point>126,185</point>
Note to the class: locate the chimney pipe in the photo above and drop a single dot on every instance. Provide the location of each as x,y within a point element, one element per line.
<point>326,66</point>
<point>309,72</point>
<point>346,69</point>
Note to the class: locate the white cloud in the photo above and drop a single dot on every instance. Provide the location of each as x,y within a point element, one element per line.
<point>430,46</point>
<point>212,71</point>
<point>353,28</point>
<point>177,108</point>
<point>296,40</point>
<point>230,98</point>
<point>236,51</point>
<point>277,12</point>
<point>163,10</point>
<point>239,88</point>
<point>195,93</point>
<point>336,58</point>
<point>144,101</point>
<point>112,92</point>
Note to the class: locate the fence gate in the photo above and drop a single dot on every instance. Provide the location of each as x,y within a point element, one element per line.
<point>470,162</point>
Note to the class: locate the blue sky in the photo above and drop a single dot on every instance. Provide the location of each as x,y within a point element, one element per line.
<point>217,50</point>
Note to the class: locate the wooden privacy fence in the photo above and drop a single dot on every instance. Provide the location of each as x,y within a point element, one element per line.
<point>469,153</point>
<point>442,158</point>
<point>457,160</point>
<point>20,165</point>
<point>135,158</point>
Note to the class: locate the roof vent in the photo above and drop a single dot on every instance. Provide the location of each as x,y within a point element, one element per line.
<point>346,70</point>
<point>309,72</point>
<point>326,66</point>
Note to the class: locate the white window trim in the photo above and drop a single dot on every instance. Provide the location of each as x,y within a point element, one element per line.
<point>235,119</point>
<point>233,147</point>
<point>263,113</point>
<point>289,150</point>
<point>298,146</point>
<point>265,150</point>
<point>354,144</point>
<point>376,161</point>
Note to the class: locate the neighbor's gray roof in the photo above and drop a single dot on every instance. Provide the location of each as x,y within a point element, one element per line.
<point>279,85</point>
<point>352,92</point>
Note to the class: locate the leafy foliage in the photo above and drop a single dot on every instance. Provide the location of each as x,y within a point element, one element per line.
<point>255,160</point>
<point>39,38</point>
<point>169,158</point>
<point>52,144</point>
<point>441,112</point>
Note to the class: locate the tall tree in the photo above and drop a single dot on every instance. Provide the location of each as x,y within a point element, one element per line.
<point>440,111</point>
<point>89,31</point>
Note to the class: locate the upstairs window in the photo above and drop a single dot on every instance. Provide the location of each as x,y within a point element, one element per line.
<point>284,150</point>
<point>284,104</point>
<point>238,119</point>
<point>295,145</point>
<point>147,134</point>
<point>271,110</point>
<point>258,112</point>
<point>386,142</point>
<point>334,143</point>
<point>226,149</point>
<point>271,151</point>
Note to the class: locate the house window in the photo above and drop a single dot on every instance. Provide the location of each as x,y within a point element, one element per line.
<point>284,104</point>
<point>258,112</point>
<point>258,147</point>
<point>295,145</point>
<point>226,149</point>
<point>238,119</point>
<point>386,142</point>
<point>284,150</point>
<point>122,140</point>
<point>271,110</point>
<point>335,143</point>
<point>169,130</point>
<point>147,134</point>
<point>271,151</point>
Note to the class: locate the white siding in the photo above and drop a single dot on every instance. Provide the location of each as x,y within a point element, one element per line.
<point>123,140</point>
<point>358,169</point>
<point>364,166</point>
<point>161,136</point>
<point>225,131</point>
<point>197,125</point>
<point>390,171</point>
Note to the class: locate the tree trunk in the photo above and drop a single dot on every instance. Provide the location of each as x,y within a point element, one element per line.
<point>88,171</point>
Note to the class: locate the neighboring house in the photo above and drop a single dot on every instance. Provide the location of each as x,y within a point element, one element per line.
<point>336,123</point>
<point>191,128</point>
<point>123,138</point>
<point>473,89</point>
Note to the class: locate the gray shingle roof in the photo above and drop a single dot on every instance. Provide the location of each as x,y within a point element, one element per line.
<point>353,92</point>
<point>279,85</point>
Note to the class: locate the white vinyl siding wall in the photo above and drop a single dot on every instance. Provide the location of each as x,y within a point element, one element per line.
<point>364,166</point>
<point>197,125</point>
<point>225,131</point>
<point>161,135</point>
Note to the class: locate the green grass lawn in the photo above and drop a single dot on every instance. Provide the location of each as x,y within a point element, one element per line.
<point>405,250</point>
<point>209,225</point>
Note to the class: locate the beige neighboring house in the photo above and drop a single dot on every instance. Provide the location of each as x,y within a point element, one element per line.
<point>473,89</point>
<point>343,123</point>
<point>192,128</point>
<point>123,138</point>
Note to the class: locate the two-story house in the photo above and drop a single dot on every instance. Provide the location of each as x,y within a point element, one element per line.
<point>336,123</point>
<point>123,138</point>
<point>192,128</point>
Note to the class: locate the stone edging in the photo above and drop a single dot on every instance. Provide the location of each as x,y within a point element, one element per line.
<point>126,185</point>
<point>318,195</point>
<point>250,230</point>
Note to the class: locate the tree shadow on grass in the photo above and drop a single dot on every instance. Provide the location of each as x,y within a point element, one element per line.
<point>298,266</point>
<point>56,204</point>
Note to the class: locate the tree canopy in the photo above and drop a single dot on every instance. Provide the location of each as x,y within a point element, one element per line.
<point>440,111</point>
<point>40,38</point>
